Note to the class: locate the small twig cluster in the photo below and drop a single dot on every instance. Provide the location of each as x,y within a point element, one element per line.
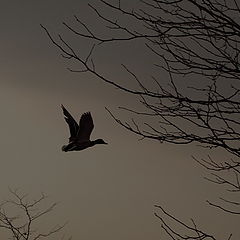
<point>22,226</point>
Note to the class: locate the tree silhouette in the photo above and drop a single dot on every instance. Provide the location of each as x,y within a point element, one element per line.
<point>19,216</point>
<point>196,42</point>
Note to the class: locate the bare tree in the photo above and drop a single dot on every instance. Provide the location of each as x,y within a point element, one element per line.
<point>19,216</point>
<point>196,42</point>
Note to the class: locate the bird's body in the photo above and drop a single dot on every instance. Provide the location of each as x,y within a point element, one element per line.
<point>79,134</point>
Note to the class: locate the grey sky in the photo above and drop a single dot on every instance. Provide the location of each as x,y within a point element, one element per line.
<point>107,192</point>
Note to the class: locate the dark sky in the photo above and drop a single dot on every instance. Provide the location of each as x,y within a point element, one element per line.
<point>107,192</point>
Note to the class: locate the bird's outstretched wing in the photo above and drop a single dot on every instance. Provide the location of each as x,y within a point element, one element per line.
<point>72,124</point>
<point>85,127</point>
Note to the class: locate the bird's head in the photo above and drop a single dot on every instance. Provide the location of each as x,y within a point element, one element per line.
<point>99,141</point>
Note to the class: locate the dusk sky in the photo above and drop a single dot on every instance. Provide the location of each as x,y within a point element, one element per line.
<point>106,192</point>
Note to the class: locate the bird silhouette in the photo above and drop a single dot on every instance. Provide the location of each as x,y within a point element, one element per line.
<point>79,134</point>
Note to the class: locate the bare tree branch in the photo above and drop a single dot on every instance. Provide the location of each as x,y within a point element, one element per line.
<point>19,216</point>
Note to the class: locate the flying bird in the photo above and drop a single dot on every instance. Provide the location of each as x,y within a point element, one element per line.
<point>79,134</point>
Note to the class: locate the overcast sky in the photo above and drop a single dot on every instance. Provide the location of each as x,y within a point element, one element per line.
<point>106,192</point>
